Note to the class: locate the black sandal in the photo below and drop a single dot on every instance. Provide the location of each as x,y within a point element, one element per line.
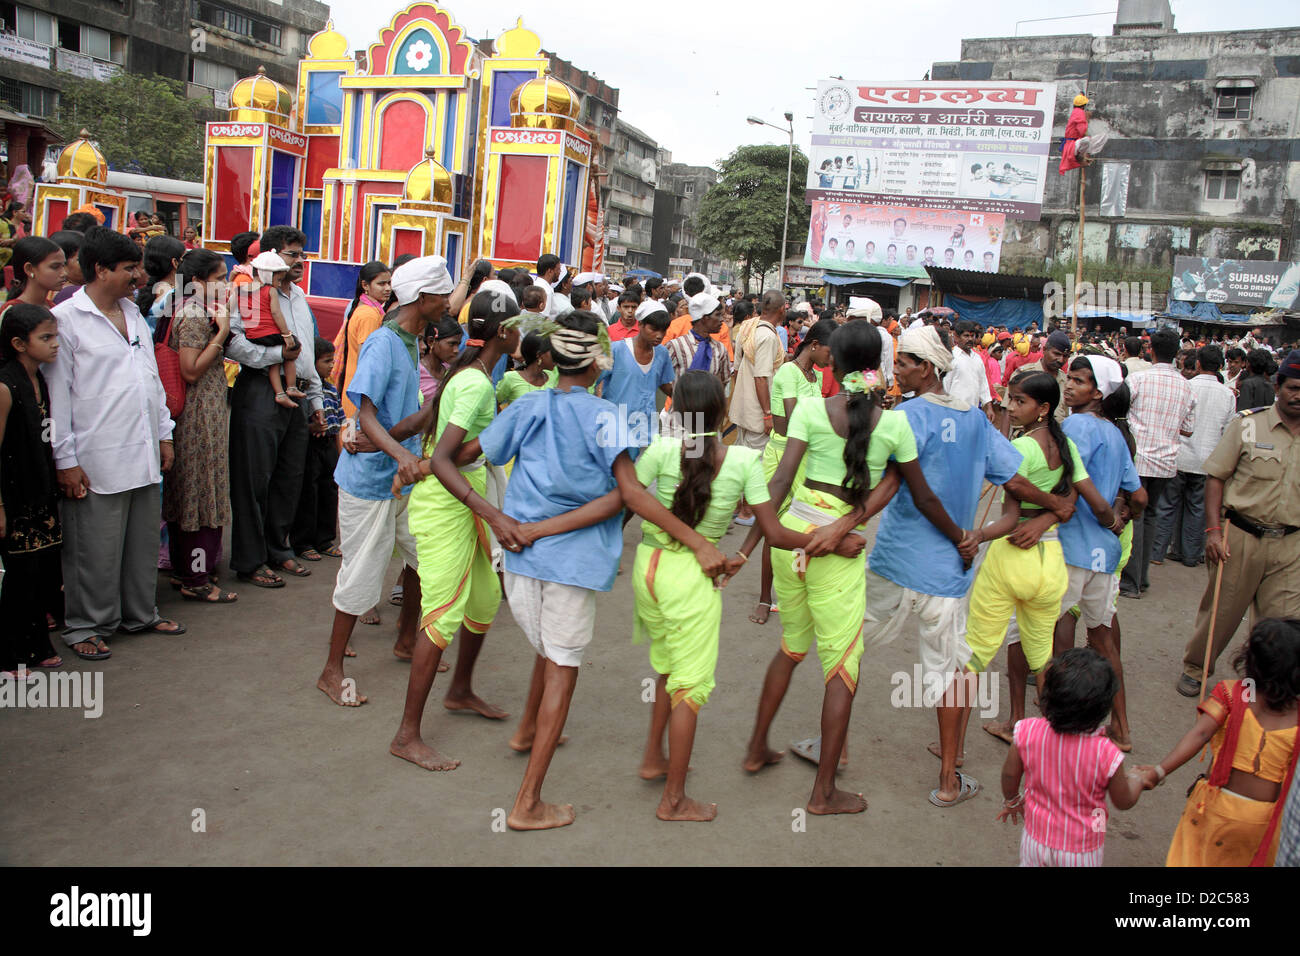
<point>204,595</point>
<point>263,577</point>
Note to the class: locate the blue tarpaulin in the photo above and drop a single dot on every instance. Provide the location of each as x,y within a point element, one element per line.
<point>832,279</point>
<point>1205,311</point>
<point>1013,313</point>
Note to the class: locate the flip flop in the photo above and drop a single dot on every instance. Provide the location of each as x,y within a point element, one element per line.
<point>332,551</point>
<point>102,653</point>
<point>175,630</point>
<point>395,596</point>
<point>298,571</point>
<point>310,554</point>
<point>263,577</point>
<point>203,595</point>
<point>810,749</point>
<point>969,788</point>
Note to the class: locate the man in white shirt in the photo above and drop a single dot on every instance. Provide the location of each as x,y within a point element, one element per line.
<point>268,442</point>
<point>1180,517</point>
<point>968,381</point>
<point>758,355</point>
<point>1133,359</point>
<point>112,442</point>
<point>547,274</point>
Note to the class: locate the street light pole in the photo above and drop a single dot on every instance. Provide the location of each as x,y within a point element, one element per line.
<point>789,172</point>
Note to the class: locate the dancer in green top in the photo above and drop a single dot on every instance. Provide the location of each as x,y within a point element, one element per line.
<point>792,381</point>
<point>678,608</point>
<point>847,441</point>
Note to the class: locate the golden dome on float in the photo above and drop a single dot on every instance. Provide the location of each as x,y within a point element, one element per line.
<point>518,43</point>
<point>427,184</point>
<point>544,103</point>
<point>328,44</point>
<point>259,98</point>
<point>81,160</point>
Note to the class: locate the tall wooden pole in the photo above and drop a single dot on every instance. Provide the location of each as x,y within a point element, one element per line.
<point>1078,265</point>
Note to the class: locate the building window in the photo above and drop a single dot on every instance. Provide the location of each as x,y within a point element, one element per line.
<point>1222,183</point>
<point>689,189</point>
<point>34,25</point>
<point>235,22</point>
<point>1233,103</point>
<point>25,98</point>
<point>212,75</point>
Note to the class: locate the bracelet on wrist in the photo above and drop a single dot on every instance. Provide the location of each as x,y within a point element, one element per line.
<point>1160,774</point>
<point>1215,528</point>
<point>1013,803</point>
<point>743,556</point>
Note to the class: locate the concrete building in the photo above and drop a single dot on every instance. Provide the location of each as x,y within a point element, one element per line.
<point>676,250</point>
<point>209,44</point>
<point>631,205</point>
<point>1206,127</point>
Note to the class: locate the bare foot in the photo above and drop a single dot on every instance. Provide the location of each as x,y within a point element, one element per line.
<point>295,392</point>
<point>421,754</point>
<point>757,760</point>
<point>544,816</point>
<point>686,810</point>
<point>1122,741</point>
<point>839,801</point>
<point>653,769</point>
<point>332,685</point>
<point>761,612</point>
<point>478,705</point>
<point>404,655</point>
<point>1001,729</point>
<point>938,752</point>
<point>370,617</point>
<point>524,744</point>
<point>349,652</point>
<point>284,401</point>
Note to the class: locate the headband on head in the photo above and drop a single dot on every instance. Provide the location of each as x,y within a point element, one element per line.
<point>574,349</point>
<point>924,343</point>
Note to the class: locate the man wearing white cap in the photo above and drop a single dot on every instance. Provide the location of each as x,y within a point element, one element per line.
<point>698,350</point>
<point>758,355</point>
<point>372,520</point>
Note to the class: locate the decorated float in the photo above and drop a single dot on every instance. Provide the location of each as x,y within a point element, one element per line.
<point>424,145</point>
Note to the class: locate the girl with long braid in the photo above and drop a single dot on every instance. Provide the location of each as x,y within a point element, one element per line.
<point>848,440</point>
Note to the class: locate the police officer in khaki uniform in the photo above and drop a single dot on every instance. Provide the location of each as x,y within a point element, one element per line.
<point>1055,353</point>
<point>1252,491</point>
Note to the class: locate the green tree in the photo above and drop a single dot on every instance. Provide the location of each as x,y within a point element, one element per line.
<point>142,124</point>
<point>742,215</point>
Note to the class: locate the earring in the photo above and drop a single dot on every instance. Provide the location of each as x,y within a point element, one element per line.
<point>1040,419</point>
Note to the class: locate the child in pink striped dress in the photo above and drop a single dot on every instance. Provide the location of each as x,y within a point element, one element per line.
<point>1068,764</point>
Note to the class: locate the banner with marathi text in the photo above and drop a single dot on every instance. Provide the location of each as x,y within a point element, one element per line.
<point>979,146</point>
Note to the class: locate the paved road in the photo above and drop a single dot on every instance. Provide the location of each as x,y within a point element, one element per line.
<point>226,720</point>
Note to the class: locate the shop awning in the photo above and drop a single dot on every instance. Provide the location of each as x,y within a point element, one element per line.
<point>989,285</point>
<point>831,278</point>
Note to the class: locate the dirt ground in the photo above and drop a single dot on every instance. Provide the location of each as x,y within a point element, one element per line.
<point>227,720</point>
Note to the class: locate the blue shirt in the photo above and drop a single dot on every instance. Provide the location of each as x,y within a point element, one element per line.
<point>386,375</point>
<point>563,459</point>
<point>1104,453</point>
<point>958,451</point>
<point>632,390</point>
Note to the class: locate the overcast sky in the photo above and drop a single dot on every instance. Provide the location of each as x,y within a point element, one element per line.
<point>689,72</point>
